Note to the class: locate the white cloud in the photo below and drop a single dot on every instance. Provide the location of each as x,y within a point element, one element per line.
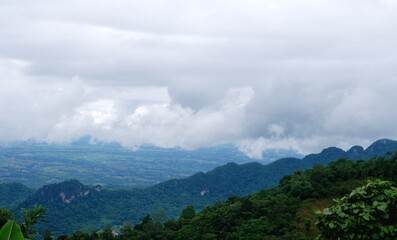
<point>261,74</point>
<point>161,124</point>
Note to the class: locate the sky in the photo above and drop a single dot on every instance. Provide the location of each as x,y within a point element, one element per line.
<point>284,74</point>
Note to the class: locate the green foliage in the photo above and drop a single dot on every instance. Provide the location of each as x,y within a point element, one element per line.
<point>268,214</point>
<point>5,215</point>
<point>11,231</point>
<point>126,232</point>
<point>30,218</point>
<point>187,214</point>
<point>12,194</point>
<point>98,209</point>
<point>149,229</point>
<point>47,235</point>
<point>368,212</point>
<point>107,233</point>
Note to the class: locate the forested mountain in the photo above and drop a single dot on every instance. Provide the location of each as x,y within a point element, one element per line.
<point>12,194</point>
<point>71,205</point>
<point>284,212</point>
<point>287,211</point>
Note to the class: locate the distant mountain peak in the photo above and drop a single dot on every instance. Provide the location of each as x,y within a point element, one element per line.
<point>230,164</point>
<point>383,141</point>
<point>331,150</point>
<point>382,145</point>
<point>356,149</point>
<point>65,192</point>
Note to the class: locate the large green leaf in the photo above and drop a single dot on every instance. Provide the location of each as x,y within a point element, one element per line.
<point>11,231</point>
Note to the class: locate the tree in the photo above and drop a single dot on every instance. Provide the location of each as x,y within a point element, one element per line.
<point>5,215</point>
<point>368,212</point>
<point>31,217</point>
<point>47,235</point>
<point>149,229</point>
<point>107,233</point>
<point>126,231</point>
<point>145,221</point>
<point>187,213</point>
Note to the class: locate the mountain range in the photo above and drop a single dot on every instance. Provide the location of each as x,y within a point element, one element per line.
<point>72,205</point>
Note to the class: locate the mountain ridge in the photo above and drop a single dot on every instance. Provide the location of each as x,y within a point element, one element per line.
<point>101,208</point>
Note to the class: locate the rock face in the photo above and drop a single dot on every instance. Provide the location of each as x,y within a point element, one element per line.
<point>64,192</point>
<point>98,188</point>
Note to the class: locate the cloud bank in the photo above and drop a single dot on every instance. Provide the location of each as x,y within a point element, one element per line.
<point>259,74</point>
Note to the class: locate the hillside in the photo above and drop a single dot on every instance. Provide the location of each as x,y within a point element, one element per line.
<point>79,206</point>
<point>284,212</point>
<point>71,205</point>
<point>12,194</point>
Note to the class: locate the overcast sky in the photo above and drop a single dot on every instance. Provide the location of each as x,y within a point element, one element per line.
<point>300,74</point>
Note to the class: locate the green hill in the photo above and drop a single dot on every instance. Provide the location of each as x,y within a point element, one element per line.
<point>71,205</point>
<point>12,194</point>
<point>284,212</point>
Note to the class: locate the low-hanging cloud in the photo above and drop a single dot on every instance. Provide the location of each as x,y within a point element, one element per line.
<point>258,74</point>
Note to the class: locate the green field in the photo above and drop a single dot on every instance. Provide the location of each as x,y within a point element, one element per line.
<point>38,164</point>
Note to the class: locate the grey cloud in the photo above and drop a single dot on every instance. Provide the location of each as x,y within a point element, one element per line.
<point>321,72</point>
